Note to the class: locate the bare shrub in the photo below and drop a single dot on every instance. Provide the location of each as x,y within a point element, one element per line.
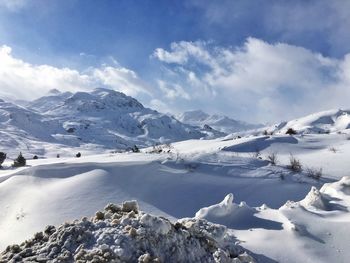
<point>315,173</point>
<point>256,153</point>
<point>294,164</point>
<point>272,158</point>
<point>333,149</point>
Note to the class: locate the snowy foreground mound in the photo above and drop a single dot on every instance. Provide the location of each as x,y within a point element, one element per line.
<point>125,234</point>
<point>315,228</point>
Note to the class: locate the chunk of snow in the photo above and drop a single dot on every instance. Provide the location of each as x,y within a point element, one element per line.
<point>314,199</point>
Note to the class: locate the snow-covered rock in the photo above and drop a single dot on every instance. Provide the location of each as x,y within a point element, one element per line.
<point>119,235</point>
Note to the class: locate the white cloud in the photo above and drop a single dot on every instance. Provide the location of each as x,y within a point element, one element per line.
<point>182,51</point>
<point>122,79</point>
<point>13,5</point>
<point>259,81</point>
<point>23,80</point>
<point>172,91</point>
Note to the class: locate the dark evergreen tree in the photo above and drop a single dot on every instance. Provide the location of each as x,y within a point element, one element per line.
<point>2,158</point>
<point>19,161</point>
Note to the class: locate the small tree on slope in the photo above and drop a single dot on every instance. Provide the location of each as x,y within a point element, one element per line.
<point>19,161</point>
<point>2,158</point>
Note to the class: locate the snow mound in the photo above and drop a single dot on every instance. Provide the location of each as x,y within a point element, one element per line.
<point>331,196</point>
<point>125,234</point>
<point>314,199</point>
<point>226,212</point>
<point>339,189</point>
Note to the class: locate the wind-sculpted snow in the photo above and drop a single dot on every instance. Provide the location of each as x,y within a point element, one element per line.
<point>227,213</point>
<point>261,143</point>
<point>319,222</point>
<point>125,234</point>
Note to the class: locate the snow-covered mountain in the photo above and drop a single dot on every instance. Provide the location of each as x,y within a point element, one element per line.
<point>335,120</point>
<point>220,123</point>
<point>103,119</point>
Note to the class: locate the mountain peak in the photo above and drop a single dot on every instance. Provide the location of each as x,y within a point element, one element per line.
<point>220,123</point>
<point>193,115</point>
<point>54,92</point>
<point>102,99</point>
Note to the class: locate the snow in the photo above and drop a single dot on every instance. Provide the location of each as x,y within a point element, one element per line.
<point>277,215</point>
<point>311,228</point>
<point>335,120</point>
<point>227,213</point>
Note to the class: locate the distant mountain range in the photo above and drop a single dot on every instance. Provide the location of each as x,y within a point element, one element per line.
<point>101,119</point>
<point>104,120</point>
<point>220,123</point>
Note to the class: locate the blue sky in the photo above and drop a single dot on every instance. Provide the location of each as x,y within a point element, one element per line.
<point>243,58</point>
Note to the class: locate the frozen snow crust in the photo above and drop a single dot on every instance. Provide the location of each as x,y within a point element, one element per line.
<point>125,234</point>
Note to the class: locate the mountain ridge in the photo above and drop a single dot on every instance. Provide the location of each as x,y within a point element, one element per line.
<point>105,118</point>
<point>220,123</point>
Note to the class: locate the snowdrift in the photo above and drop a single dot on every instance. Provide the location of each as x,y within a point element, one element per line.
<point>318,224</point>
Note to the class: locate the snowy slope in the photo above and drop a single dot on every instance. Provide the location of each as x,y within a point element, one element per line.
<point>197,174</point>
<point>262,203</point>
<point>220,123</point>
<point>87,122</point>
<point>52,100</point>
<point>320,122</point>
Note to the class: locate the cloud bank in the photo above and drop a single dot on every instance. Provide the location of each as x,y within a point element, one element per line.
<point>19,79</point>
<point>257,81</point>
